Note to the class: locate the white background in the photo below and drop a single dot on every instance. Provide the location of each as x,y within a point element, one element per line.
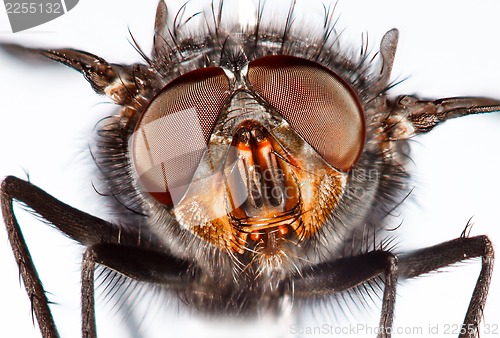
<point>448,48</point>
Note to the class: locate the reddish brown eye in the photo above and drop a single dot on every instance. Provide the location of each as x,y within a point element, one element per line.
<point>173,132</point>
<point>317,103</point>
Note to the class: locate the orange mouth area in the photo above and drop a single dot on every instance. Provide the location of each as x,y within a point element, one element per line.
<point>263,195</point>
<point>267,200</point>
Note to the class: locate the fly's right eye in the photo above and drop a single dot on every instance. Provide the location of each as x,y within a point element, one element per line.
<point>172,134</point>
<point>321,107</point>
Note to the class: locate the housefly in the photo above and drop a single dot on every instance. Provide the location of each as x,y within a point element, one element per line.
<point>401,224</point>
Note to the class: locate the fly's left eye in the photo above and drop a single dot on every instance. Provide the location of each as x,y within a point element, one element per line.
<point>321,107</point>
<point>173,132</point>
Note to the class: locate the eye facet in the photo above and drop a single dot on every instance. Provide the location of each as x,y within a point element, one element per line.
<point>321,107</point>
<point>172,134</point>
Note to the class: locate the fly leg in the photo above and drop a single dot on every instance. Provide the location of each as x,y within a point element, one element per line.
<point>346,273</point>
<point>138,263</point>
<point>88,300</point>
<point>441,255</point>
<point>106,245</point>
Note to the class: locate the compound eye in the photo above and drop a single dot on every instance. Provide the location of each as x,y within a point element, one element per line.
<point>172,134</point>
<point>321,107</point>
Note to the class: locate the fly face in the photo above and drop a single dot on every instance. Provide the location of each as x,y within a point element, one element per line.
<point>255,149</point>
<point>225,158</point>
